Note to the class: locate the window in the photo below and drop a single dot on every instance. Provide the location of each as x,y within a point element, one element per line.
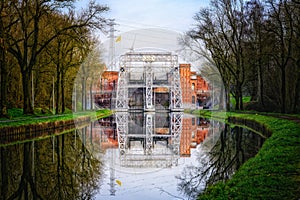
<point>193,121</point>
<point>193,86</point>
<point>193,135</point>
<point>193,99</point>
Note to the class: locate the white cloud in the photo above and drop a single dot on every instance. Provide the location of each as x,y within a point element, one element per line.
<point>176,15</point>
<point>153,23</point>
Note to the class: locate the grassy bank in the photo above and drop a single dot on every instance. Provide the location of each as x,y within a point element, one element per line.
<point>274,173</point>
<point>17,119</point>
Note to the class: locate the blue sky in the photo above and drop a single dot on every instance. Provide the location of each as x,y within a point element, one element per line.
<point>148,23</point>
<point>175,15</point>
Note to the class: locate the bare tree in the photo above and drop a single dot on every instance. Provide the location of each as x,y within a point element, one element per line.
<point>89,71</point>
<point>282,29</point>
<point>221,28</point>
<point>6,21</point>
<point>27,40</point>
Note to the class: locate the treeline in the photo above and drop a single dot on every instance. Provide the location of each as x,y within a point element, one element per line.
<point>255,45</point>
<point>42,45</point>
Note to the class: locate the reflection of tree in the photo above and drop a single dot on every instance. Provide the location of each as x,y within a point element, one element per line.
<point>55,168</point>
<point>233,147</point>
<point>26,187</point>
<point>4,177</point>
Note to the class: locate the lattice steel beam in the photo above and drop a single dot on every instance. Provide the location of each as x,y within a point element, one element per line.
<point>122,90</point>
<point>176,95</point>
<point>148,57</point>
<point>149,131</point>
<point>149,91</point>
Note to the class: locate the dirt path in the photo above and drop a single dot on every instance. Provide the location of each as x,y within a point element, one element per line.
<point>291,118</point>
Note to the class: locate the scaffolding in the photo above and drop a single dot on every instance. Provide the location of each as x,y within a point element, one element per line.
<point>144,73</point>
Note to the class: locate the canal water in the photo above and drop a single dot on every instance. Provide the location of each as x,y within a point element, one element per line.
<point>127,156</point>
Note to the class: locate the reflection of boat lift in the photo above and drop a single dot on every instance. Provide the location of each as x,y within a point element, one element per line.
<point>112,174</point>
<point>148,149</point>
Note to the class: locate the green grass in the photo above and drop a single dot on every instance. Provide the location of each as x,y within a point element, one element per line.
<point>246,99</point>
<point>18,119</point>
<point>274,173</point>
<point>15,112</point>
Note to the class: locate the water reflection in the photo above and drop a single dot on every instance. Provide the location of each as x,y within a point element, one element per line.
<point>218,158</point>
<point>127,156</point>
<point>55,168</point>
<point>193,151</point>
<point>153,147</point>
<point>149,139</point>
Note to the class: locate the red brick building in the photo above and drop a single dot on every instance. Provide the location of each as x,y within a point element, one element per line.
<point>195,90</point>
<point>108,81</point>
<point>107,85</point>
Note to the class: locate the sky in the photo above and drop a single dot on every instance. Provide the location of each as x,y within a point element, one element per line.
<point>151,23</point>
<point>176,15</point>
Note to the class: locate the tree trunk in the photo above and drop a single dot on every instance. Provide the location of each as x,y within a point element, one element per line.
<point>221,98</point>
<point>3,70</point>
<point>236,97</point>
<point>91,95</point>
<point>27,106</point>
<point>241,105</point>
<point>283,91</point>
<point>57,89</point>
<point>227,98</point>
<point>83,94</point>
<point>62,93</point>
<point>241,102</point>
<point>260,91</point>
<point>296,104</point>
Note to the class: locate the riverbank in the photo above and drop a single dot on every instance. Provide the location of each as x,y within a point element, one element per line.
<point>35,119</point>
<point>274,173</point>
<point>25,128</point>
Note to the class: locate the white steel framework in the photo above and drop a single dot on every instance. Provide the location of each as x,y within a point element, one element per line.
<point>146,71</point>
<point>122,91</point>
<point>149,91</point>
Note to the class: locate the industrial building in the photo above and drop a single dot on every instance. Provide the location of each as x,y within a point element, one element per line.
<point>152,81</point>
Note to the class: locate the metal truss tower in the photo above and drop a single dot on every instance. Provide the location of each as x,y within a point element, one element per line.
<point>147,71</point>
<point>111,56</point>
<point>149,89</point>
<point>122,91</point>
<point>176,94</point>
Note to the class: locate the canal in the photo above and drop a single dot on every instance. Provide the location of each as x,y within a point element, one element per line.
<point>127,156</point>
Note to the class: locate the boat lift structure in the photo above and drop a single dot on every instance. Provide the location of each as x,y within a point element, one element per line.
<point>142,76</point>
